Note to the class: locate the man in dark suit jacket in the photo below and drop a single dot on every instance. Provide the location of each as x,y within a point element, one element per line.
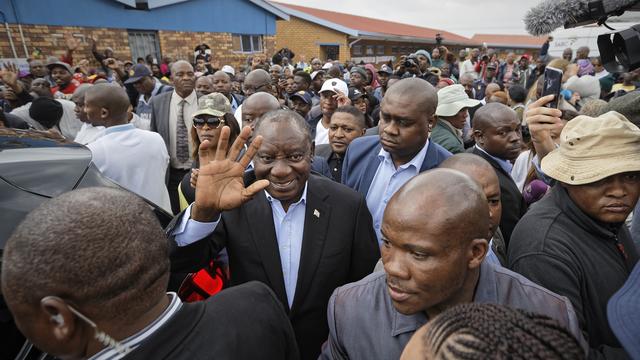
<point>496,130</point>
<point>165,113</point>
<point>347,124</point>
<point>377,166</point>
<point>303,237</point>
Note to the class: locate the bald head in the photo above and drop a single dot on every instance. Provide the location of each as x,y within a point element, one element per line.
<point>220,75</point>
<point>491,88</point>
<point>257,80</point>
<point>257,105</point>
<point>442,199</point>
<point>417,91</point>
<point>79,93</point>
<point>66,246</point>
<point>106,105</point>
<point>491,115</point>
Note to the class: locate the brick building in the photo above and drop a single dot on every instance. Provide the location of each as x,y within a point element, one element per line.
<point>328,34</point>
<point>135,28</point>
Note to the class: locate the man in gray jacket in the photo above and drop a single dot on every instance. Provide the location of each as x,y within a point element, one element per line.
<point>434,242</point>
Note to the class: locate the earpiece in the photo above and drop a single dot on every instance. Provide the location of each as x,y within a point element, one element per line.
<point>58,319</point>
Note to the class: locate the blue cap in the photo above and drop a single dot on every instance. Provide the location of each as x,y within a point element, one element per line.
<point>139,71</point>
<point>623,312</point>
<point>303,95</point>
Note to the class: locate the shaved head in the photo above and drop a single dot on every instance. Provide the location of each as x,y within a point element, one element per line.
<point>110,97</point>
<point>103,249</point>
<point>491,88</point>
<point>442,199</point>
<point>416,89</point>
<point>260,103</point>
<point>490,115</point>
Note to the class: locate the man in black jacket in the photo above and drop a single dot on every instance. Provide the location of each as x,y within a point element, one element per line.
<point>496,130</point>
<point>111,300</point>
<point>574,241</point>
<point>301,234</point>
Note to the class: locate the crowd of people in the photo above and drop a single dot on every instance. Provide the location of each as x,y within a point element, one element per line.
<point>429,207</point>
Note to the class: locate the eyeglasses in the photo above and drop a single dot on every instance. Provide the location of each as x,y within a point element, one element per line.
<point>213,122</point>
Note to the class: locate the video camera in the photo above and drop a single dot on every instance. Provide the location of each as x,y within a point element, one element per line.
<point>411,61</point>
<point>620,52</point>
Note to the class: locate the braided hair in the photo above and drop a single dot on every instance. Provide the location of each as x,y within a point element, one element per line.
<point>481,331</point>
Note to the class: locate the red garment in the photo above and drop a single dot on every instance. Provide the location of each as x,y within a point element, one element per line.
<point>68,90</point>
<point>374,82</point>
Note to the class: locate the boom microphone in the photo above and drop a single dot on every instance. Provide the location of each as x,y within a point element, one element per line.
<point>552,14</point>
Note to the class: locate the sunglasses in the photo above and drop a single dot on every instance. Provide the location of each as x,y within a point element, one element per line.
<point>213,122</point>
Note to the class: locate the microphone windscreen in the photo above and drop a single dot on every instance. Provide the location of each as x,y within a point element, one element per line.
<point>552,14</point>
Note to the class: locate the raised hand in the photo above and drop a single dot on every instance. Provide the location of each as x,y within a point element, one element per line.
<point>543,122</point>
<point>220,184</point>
<point>342,98</point>
<point>9,76</point>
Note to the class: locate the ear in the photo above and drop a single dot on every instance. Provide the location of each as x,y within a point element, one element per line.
<point>478,136</point>
<point>104,113</point>
<point>477,252</point>
<point>431,121</point>
<point>61,320</point>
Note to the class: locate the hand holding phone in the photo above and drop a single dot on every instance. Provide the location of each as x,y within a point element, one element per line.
<point>552,85</point>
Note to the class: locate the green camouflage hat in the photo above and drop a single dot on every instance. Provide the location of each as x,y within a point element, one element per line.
<point>214,104</point>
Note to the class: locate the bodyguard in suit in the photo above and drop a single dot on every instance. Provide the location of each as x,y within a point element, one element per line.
<point>496,130</point>
<point>347,124</point>
<point>377,166</point>
<point>301,234</point>
<point>63,305</point>
<point>171,117</point>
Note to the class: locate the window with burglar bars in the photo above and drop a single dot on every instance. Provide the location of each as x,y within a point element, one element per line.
<point>143,43</point>
<point>247,43</point>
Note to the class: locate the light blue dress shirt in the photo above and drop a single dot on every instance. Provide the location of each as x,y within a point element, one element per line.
<point>387,181</point>
<point>289,228</point>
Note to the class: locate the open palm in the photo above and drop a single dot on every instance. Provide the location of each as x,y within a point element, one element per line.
<point>220,184</point>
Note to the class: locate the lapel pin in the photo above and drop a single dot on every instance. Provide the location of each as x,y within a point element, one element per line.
<point>316,213</point>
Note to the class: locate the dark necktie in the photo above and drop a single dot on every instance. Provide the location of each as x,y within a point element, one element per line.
<point>182,140</point>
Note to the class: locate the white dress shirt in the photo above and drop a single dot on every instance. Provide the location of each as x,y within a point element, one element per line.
<point>387,180</point>
<point>89,133</point>
<point>136,159</point>
<point>190,108</point>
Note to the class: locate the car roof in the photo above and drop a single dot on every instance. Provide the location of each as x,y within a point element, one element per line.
<point>41,162</point>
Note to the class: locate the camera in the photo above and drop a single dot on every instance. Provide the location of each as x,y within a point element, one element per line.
<point>620,52</point>
<point>410,61</point>
<point>439,39</point>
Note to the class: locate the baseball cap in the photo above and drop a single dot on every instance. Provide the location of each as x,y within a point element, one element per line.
<point>333,85</point>
<point>139,71</point>
<point>386,69</point>
<point>316,73</point>
<point>327,66</point>
<point>229,70</point>
<point>452,99</point>
<point>54,64</point>
<point>214,104</point>
<point>302,95</point>
<point>355,94</point>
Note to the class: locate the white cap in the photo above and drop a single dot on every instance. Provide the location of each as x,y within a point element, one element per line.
<point>335,84</point>
<point>452,99</point>
<point>315,73</point>
<point>327,66</point>
<point>229,70</point>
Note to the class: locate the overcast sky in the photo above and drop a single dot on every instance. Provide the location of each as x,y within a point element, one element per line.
<point>464,17</point>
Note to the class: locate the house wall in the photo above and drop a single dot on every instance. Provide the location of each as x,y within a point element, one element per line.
<point>176,44</point>
<point>305,38</point>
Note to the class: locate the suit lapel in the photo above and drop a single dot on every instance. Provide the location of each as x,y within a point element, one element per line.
<point>259,218</point>
<point>431,159</point>
<point>370,171</point>
<point>316,224</point>
<point>163,127</point>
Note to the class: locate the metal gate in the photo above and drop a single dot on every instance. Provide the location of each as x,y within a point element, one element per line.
<point>143,43</point>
